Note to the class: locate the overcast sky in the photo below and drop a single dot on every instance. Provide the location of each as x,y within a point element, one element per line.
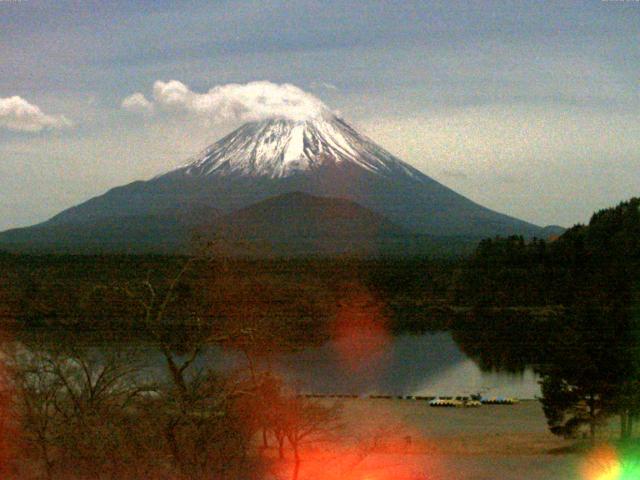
<point>530,108</point>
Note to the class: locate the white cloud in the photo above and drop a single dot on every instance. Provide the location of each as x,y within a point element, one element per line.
<point>137,103</point>
<point>237,102</point>
<point>19,115</point>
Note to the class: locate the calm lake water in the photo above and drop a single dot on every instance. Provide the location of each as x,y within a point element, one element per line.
<point>429,364</point>
<point>426,364</point>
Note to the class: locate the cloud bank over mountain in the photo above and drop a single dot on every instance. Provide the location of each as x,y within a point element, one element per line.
<point>253,101</point>
<point>17,114</point>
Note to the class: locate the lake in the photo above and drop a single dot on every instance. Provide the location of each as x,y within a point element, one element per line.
<point>429,364</point>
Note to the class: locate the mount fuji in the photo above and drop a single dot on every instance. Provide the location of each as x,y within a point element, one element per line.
<point>317,158</point>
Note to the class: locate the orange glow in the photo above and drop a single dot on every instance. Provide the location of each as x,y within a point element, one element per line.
<point>360,330</point>
<point>345,461</point>
<point>375,443</point>
<point>385,449</point>
<point>602,463</point>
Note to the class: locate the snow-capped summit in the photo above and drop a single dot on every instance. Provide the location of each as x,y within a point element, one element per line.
<point>279,148</point>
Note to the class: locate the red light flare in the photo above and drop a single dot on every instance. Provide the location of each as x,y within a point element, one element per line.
<point>360,330</point>
<point>344,459</point>
<point>393,450</point>
<point>386,449</point>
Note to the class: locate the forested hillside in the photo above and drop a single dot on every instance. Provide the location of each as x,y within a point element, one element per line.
<point>585,344</point>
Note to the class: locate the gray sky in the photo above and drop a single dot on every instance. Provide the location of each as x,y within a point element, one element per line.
<point>531,108</point>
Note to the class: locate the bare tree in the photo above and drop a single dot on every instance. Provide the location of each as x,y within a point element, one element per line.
<point>74,404</point>
<point>302,422</point>
<point>204,434</point>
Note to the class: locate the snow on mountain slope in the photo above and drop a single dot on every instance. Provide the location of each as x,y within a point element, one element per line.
<point>281,148</point>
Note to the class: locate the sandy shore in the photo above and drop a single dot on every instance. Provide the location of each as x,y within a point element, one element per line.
<point>491,429</point>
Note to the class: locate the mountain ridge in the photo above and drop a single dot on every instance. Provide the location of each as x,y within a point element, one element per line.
<point>297,223</point>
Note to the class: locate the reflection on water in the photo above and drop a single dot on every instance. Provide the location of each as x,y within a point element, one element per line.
<point>428,364</point>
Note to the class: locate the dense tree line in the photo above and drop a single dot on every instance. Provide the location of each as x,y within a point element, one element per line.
<point>49,291</point>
